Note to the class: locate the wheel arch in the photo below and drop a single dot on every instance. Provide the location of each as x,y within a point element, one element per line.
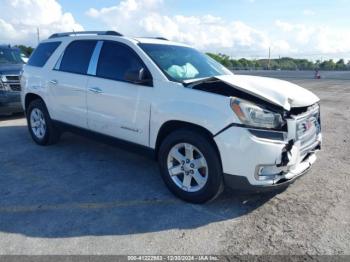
<point>29,98</point>
<point>170,126</point>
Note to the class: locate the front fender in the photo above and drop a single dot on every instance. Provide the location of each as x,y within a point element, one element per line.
<point>213,118</point>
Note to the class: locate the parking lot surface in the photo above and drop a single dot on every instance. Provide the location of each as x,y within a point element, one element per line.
<point>85,197</point>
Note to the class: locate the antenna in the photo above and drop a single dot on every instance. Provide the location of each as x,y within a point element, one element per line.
<point>268,65</point>
<point>38,34</point>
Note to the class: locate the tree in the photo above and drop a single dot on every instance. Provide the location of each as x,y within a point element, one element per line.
<point>262,63</point>
<point>222,58</point>
<point>348,65</point>
<point>317,64</point>
<point>27,50</point>
<point>340,65</point>
<point>236,64</point>
<point>284,63</point>
<point>327,65</point>
<point>246,64</point>
<point>304,64</point>
<point>215,57</point>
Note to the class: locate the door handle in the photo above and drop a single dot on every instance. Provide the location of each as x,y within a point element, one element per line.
<point>53,81</point>
<point>95,90</point>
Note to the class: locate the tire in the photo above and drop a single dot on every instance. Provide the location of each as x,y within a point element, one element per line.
<point>50,133</point>
<point>185,185</point>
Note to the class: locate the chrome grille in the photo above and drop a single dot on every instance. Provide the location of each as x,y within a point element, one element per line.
<point>308,127</point>
<point>12,78</point>
<point>12,83</point>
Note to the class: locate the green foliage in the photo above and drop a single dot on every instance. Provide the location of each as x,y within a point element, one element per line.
<point>222,59</point>
<point>27,50</point>
<point>340,65</point>
<point>284,63</point>
<point>327,65</point>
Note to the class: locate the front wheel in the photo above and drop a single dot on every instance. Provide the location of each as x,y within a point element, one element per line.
<point>190,166</point>
<point>40,125</point>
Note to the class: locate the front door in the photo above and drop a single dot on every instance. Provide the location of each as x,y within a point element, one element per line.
<point>116,107</point>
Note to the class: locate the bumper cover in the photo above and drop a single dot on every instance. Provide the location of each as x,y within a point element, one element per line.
<point>10,102</point>
<point>250,162</point>
<point>241,183</point>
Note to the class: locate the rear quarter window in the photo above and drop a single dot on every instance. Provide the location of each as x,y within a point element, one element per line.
<point>42,53</point>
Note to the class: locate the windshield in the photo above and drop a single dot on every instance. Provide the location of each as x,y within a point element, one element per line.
<point>10,56</point>
<point>181,63</point>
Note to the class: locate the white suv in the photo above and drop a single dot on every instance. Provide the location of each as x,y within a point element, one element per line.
<point>207,127</point>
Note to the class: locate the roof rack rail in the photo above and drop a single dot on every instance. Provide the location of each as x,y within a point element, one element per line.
<point>155,37</point>
<point>161,38</point>
<point>85,33</point>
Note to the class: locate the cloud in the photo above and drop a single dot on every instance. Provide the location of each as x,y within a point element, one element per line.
<point>284,26</point>
<point>207,32</point>
<point>316,40</point>
<point>19,20</point>
<point>301,33</point>
<point>212,33</point>
<point>282,46</point>
<point>308,12</point>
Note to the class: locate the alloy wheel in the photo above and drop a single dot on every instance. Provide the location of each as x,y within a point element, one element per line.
<point>187,167</point>
<point>37,123</point>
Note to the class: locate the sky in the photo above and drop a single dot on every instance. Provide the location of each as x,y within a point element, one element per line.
<point>312,29</point>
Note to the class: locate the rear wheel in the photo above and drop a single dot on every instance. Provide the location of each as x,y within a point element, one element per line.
<point>190,166</point>
<point>40,125</point>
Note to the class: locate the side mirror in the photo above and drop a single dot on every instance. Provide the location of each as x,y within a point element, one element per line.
<point>140,77</point>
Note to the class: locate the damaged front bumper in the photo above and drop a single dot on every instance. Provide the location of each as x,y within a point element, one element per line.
<point>251,162</point>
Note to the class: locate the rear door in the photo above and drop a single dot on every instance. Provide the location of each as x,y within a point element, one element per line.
<point>116,107</point>
<point>67,83</point>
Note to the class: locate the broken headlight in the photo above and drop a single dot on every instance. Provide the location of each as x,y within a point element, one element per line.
<point>253,115</point>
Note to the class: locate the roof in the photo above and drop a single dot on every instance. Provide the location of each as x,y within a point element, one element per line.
<point>110,35</point>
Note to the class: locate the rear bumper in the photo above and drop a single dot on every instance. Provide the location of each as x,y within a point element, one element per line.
<point>10,102</point>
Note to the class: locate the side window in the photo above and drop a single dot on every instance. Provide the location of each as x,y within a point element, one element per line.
<point>76,57</point>
<point>115,60</point>
<point>42,53</point>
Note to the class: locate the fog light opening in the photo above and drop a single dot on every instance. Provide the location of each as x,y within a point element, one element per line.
<point>268,172</point>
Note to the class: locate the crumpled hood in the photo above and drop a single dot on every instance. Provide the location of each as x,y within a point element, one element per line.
<point>278,92</point>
